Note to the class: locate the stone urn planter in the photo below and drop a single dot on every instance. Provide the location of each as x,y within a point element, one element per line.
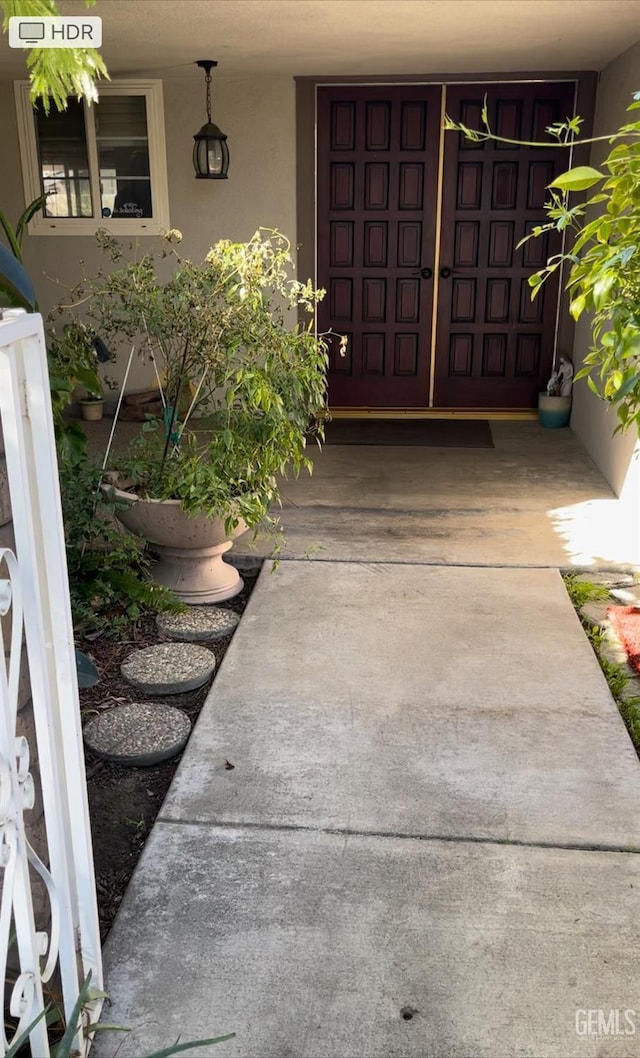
<point>189,549</point>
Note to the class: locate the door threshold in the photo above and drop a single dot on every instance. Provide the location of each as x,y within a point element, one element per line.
<point>495,414</point>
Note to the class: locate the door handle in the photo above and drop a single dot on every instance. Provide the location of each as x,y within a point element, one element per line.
<point>445,273</point>
<point>424,273</point>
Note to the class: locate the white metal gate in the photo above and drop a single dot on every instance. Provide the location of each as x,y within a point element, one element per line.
<point>34,601</point>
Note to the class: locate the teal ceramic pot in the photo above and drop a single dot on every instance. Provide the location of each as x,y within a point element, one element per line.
<point>554,412</point>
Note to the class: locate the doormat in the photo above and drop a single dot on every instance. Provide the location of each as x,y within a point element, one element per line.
<point>625,621</point>
<point>425,433</point>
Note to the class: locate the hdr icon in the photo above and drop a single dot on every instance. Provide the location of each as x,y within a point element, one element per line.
<point>74,31</point>
<point>606,1022</point>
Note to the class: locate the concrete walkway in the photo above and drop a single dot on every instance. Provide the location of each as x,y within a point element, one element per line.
<point>428,845</point>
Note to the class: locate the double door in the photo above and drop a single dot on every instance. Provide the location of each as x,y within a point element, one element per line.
<point>417,244</point>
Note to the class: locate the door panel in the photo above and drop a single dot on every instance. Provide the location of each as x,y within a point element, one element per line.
<point>377,185</point>
<point>494,346</point>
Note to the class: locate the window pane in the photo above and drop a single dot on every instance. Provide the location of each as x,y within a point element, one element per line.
<point>64,167</point>
<point>123,156</point>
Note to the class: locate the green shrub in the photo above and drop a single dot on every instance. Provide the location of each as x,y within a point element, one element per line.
<point>107,567</point>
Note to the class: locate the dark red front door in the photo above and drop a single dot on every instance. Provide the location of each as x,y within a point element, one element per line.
<point>378,163</point>
<point>494,345</point>
<point>377,186</point>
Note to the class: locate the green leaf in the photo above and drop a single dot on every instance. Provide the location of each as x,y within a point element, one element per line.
<point>178,1047</point>
<point>627,386</point>
<point>101,1026</point>
<point>74,1024</point>
<point>603,233</point>
<point>71,442</point>
<point>576,308</point>
<point>10,235</point>
<point>15,282</point>
<point>601,289</point>
<point>29,214</point>
<point>616,380</point>
<point>22,1040</point>
<point>89,379</point>
<point>578,179</point>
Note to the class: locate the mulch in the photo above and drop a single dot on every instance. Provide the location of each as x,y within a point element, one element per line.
<point>124,801</point>
<point>625,621</point>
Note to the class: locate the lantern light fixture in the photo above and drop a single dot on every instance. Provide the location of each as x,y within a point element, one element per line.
<point>210,151</point>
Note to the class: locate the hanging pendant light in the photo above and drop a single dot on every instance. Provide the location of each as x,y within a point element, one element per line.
<point>210,151</point>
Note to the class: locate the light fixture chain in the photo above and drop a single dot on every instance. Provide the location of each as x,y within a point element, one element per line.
<point>208,80</point>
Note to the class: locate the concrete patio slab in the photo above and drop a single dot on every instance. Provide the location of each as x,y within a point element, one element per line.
<point>536,499</point>
<point>311,945</point>
<point>416,701</point>
<point>530,468</point>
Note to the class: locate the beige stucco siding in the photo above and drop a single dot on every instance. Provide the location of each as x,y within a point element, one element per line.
<point>592,420</point>
<point>258,116</point>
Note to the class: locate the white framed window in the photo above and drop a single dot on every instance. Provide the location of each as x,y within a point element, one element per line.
<point>100,166</point>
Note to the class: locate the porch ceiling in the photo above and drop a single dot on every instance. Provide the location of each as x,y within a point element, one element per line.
<point>340,37</point>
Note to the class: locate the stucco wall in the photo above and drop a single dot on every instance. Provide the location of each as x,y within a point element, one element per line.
<point>592,420</point>
<point>258,116</point>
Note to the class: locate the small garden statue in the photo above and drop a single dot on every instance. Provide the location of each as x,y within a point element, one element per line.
<point>561,381</point>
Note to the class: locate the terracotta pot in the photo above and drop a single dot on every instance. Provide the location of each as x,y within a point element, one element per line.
<point>189,549</point>
<point>91,410</point>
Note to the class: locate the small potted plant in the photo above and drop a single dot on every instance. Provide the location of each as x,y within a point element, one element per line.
<point>91,407</point>
<point>554,406</point>
<point>242,383</point>
<point>76,354</point>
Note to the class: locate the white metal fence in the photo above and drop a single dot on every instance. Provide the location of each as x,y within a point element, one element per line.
<point>34,602</point>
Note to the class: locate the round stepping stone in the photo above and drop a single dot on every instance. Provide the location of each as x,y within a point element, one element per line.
<point>198,622</point>
<point>595,613</point>
<point>169,668</point>
<point>139,734</point>
<point>627,596</point>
